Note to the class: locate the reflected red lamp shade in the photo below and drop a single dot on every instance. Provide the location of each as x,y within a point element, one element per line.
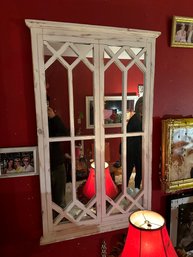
<point>147,236</point>
<point>89,187</point>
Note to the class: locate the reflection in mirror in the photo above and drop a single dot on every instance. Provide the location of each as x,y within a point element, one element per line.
<point>86,179</point>
<point>82,75</point>
<point>70,65</point>
<point>112,94</point>
<point>80,183</point>
<point>124,72</point>
<point>59,155</point>
<point>134,124</point>
<point>112,151</point>
<point>56,83</point>
<point>134,150</point>
<point>110,157</point>
<point>89,185</point>
<point>135,77</point>
<point>84,176</point>
<point>124,67</point>
<point>67,66</point>
<point>79,177</point>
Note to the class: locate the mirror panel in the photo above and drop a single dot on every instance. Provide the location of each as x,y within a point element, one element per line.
<point>124,72</point>
<point>83,75</point>
<point>68,65</point>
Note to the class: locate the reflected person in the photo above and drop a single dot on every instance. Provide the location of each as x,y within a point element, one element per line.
<point>181,34</point>
<point>134,145</point>
<point>58,170</point>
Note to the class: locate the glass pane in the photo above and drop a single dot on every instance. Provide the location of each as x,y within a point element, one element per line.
<point>124,67</point>
<point>89,185</point>
<point>86,177</point>
<point>60,173</point>
<point>113,99</point>
<point>124,75</point>
<point>69,67</point>
<point>82,90</point>
<point>134,124</point>
<point>112,162</point>
<point>57,100</point>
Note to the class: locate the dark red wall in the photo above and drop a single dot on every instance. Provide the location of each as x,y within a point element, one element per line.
<point>20,216</point>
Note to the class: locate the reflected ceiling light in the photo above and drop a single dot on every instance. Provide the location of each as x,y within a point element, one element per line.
<point>110,187</point>
<point>147,236</point>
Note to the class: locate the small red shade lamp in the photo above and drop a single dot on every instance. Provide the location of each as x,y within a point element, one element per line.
<point>89,187</point>
<point>147,236</point>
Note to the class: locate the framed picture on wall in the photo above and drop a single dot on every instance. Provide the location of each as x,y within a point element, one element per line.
<point>177,154</point>
<point>18,161</point>
<point>182,32</point>
<point>112,110</point>
<point>180,221</point>
<point>140,90</point>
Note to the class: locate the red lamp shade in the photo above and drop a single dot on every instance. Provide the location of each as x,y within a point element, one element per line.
<point>89,187</point>
<point>147,236</point>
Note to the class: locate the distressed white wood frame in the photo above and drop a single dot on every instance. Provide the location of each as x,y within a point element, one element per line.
<point>99,38</point>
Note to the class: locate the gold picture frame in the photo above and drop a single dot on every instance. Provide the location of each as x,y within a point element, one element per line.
<point>177,154</point>
<point>182,32</point>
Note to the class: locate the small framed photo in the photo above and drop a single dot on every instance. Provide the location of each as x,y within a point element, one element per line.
<point>180,221</point>
<point>112,110</point>
<point>140,90</point>
<point>18,161</point>
<point>177,154</point>
<point>182,32</point>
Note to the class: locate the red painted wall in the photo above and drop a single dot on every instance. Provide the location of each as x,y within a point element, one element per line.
<point>20,217</point>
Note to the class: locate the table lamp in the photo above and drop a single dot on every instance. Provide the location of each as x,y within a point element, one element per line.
<point>147,236</point>
<point>89,187</point>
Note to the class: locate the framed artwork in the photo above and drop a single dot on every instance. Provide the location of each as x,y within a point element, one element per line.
<point>18,161</point>
<point>112,110</point>
<point>180,221</point>
<point>140,90</point>
<point>182,32</point>
<point>177,154</point>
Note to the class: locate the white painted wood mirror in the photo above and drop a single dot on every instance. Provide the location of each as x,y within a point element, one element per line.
<point>72,62</point>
